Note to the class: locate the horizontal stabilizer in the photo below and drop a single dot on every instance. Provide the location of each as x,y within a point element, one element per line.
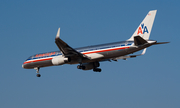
<point>139,40</point>
<point>161,43</point>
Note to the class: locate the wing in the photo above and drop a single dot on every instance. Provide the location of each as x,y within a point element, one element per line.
<point>66,49</point>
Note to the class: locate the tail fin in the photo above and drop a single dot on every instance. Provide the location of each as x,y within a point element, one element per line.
<point>144,29</point>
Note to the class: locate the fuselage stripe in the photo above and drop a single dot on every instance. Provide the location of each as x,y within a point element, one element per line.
<point>104,50</point>
<point>97,51</point>
<point>43,59</point>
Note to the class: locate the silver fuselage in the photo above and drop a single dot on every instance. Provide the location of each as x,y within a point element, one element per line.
<point>107,51</point>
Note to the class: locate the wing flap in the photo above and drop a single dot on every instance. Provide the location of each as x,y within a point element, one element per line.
<point>95,56</point>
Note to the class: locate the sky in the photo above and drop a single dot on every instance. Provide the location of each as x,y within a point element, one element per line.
<point>30,27</point>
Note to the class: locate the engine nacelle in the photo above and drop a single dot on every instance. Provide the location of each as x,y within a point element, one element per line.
<point>89,66</point>
<point>60,60</point>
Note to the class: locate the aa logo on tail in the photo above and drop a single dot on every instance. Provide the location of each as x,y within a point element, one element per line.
<point>142,29</point>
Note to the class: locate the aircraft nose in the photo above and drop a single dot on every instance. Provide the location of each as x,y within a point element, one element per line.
<point>22,65</point>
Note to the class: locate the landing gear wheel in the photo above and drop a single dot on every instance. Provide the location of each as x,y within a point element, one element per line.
<point>38,75</point>
<point>81,67</point>
<point>37,71</point>
<point>97,70</point>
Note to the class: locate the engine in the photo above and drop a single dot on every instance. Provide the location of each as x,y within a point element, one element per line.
<point>60,60</point>
<point>88,66</point>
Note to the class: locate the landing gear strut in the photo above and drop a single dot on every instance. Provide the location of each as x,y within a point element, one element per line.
<point>37,71</point>
<point>80,66</point>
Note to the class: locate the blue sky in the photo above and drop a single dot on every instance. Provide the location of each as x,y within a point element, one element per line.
<point>29,27</point>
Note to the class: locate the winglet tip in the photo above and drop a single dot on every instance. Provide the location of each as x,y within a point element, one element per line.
<point>144,51</point>
<point>58,33</point>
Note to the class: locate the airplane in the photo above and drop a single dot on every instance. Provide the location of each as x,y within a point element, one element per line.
<point>89,57</point>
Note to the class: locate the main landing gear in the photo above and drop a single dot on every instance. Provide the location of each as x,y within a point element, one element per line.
<point>37,71</point>
<point>89,66</point>
<point>97,70</point>
<point>81,66</point>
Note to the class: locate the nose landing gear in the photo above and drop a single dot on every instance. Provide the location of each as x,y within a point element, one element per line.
<point>38,75</point>
<point>37,71</point>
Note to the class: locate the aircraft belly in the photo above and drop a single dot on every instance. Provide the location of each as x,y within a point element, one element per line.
<point>122,52</point>
<point>111,54</point>
<point>116,53</point>
<point>38,64</point>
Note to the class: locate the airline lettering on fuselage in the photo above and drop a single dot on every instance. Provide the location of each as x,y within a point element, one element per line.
<point>142,29</point>
<point>46,54</point>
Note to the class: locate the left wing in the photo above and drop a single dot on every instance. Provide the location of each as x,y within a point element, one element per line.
<point>66,49</point>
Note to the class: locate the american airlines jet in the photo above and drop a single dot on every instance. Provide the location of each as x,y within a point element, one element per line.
<point>89,57</point>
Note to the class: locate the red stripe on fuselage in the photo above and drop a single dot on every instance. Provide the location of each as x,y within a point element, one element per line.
<point>105,50</point>
<point>44,59</point>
